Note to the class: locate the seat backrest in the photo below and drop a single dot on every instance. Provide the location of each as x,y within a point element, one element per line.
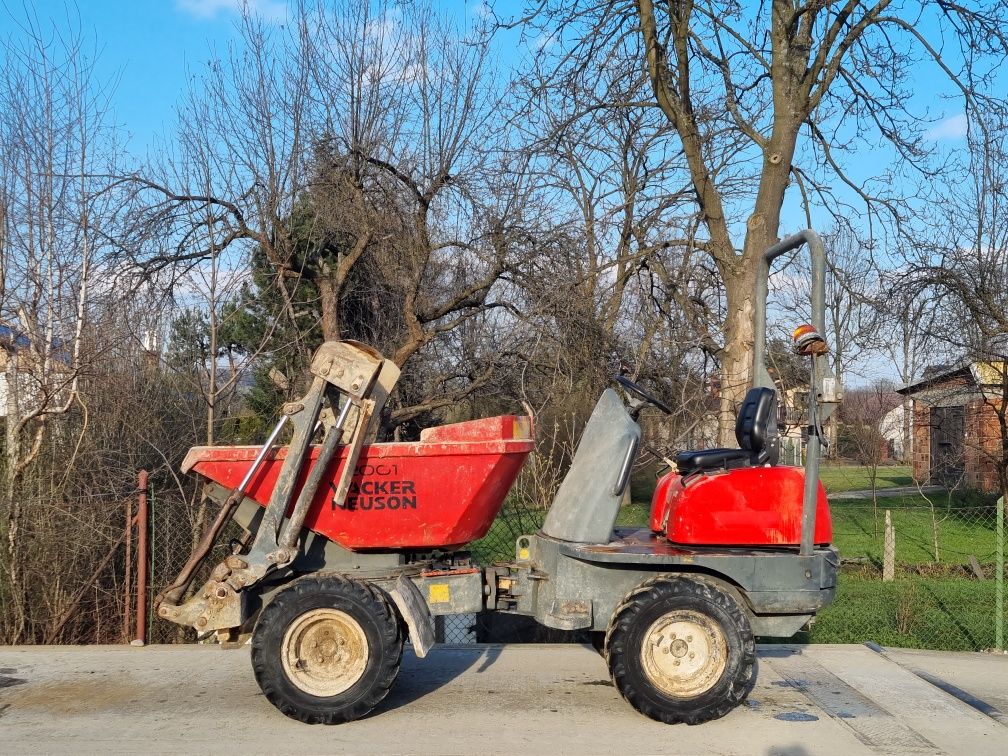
<point>756,426</point>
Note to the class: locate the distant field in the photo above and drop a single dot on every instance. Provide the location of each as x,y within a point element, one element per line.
<point>837,478</point>
<point>854,525</point>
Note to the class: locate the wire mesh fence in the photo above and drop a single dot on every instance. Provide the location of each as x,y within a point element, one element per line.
<point>944,589</point>
<point>943,593</point>
<point>171,542</point>
<point>498,545</point>
<point>176,524</point>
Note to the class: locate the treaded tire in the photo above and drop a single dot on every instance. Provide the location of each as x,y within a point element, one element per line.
<point>645,608</point>
<point>373,620</point>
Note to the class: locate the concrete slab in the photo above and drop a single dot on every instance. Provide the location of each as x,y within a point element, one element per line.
<point>934,715</point>
<point>983,676</point>
<point>474,699</point>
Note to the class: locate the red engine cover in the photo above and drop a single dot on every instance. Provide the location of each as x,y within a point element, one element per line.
<point>751,506</point>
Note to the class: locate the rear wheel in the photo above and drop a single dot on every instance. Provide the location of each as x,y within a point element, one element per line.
<point>327,649</point>
<point>681,650</point>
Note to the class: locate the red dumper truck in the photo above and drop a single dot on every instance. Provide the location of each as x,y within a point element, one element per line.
<point>351,547</point>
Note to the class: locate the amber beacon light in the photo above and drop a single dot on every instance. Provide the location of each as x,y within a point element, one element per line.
<point>808,341</point>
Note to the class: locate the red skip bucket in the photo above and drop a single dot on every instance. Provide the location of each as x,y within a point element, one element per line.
<point>440,492</point>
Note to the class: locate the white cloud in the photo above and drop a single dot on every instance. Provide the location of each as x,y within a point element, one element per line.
<point>544,41</point>
<point>272,10</point>
<point>482,10</point>
<point>953,127</point>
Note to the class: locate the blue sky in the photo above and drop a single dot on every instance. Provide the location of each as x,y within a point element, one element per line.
<point>150,47</point>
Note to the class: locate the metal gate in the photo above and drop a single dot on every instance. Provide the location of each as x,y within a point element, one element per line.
<point>947,445</point>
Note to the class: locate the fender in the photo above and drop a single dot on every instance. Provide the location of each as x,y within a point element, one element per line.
<point>414,610</point>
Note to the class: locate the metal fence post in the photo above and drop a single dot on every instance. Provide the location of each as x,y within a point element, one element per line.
<point>889,550</point>
<point>999,575</point>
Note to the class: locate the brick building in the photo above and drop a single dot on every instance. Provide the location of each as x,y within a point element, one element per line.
<point>956,433</point>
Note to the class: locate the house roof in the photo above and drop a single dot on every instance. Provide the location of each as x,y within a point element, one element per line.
<point>980,373</point>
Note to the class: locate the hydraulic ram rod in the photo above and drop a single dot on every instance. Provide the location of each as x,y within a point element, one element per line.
<point>173,592</point>
<point>292,530</point>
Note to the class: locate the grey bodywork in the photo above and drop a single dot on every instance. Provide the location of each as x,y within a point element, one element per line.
<point>587,502</point>
<point>571,582</point>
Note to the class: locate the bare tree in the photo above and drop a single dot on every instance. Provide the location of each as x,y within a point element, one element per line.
<point>864,411</point>
<point>910,340</point>
<point>771,97</point>
<point>54,137</point>
<point>962,264</point>
<point>356,145</point>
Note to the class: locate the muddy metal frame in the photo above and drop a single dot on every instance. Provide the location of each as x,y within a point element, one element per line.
<point>347,369</point>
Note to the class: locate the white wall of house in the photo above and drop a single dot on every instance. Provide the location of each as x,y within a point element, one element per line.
<point>891,429</point>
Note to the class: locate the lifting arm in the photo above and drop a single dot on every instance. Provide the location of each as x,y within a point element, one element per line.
<point>347,368</point>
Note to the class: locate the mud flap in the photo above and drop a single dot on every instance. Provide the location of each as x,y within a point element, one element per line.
<point>411,605</point>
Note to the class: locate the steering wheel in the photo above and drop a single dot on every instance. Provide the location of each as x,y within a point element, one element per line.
<point>640,393</point>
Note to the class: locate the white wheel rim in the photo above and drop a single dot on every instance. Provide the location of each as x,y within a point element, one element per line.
<point>324,652</point>
<point>684,653</point>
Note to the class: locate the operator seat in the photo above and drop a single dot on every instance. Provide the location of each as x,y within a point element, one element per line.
<point>755,431</point>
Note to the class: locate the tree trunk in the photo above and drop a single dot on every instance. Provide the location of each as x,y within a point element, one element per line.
<point>908,439</point>
<point>329,296</point>
<point>736,356</point>
<point>740,293</point>
<point>740,274</point>
<point>13,506</point>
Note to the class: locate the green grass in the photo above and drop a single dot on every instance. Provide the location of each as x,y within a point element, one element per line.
<point>965,528</point>
<point>962,530</point>
<point>951,614</point>
<point>937,605</point>
<point>638,513</point>
<point>836,478</point>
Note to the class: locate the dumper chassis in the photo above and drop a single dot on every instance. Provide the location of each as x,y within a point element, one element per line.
<point>350,548</point>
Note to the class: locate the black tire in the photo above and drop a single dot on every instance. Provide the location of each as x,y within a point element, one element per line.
<point>705,690</point>
<point>358,639</point>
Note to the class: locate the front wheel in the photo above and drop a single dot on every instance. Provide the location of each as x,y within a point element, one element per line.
<point>327,649</point>
<point>681,650</point>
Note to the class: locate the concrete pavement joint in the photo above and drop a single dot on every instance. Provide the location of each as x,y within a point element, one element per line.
<point>967,698</point>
